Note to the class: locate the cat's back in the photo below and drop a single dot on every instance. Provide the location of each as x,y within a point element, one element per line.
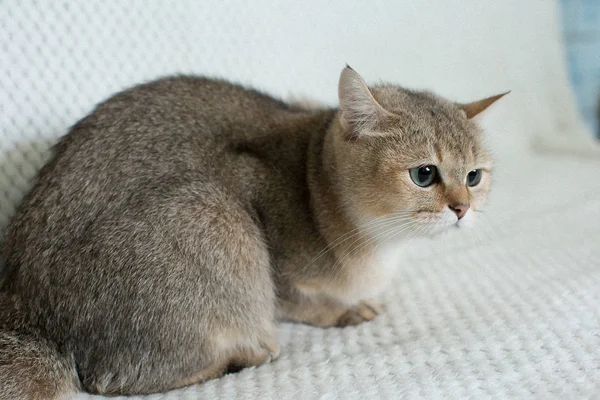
<point>197,96</point>
<point>169,126</point>
<point>142,148</point>
<point>185,105</point>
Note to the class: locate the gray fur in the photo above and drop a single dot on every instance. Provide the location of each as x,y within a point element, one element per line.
<point>172,228</point>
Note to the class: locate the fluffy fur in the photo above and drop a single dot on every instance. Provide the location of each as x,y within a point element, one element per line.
<point>182,218</point>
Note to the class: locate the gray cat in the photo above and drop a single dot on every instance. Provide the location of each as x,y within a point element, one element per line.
<point>182,218</point>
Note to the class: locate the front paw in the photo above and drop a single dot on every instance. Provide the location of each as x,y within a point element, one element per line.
<point>363,311</point>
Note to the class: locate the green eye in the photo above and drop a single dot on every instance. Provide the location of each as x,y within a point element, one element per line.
<point>474,177</point>
<point>423,176</point>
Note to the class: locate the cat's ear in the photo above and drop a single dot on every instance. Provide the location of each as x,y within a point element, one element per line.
<point>361,114</point>
<point>477,107</point>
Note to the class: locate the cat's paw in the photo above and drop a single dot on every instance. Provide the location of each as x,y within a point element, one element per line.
<point>271,346</point>
<point>268,351</point>
<point>362,312</point>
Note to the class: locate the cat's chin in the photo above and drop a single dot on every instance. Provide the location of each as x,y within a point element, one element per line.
<point>448,223</point>
<point>439,230</point>
<point>462,225</point>
<point>467,221</point>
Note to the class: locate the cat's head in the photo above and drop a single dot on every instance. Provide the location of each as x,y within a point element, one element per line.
<point>409,159</point>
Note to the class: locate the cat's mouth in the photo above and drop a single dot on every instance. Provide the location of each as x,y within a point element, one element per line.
<point>421,223</point>
<point>436,223</point>
<point>466,221</point>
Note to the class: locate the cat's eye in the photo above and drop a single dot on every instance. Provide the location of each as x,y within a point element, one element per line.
<point>474,177</point>
<point>423,176</point>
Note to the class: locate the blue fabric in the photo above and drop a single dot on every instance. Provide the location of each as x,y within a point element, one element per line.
<point>581,25</point>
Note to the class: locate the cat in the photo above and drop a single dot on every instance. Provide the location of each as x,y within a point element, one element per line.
<point>181,219</point>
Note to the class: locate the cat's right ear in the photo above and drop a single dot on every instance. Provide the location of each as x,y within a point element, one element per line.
<point>361,115</point>
<point>473,109</point>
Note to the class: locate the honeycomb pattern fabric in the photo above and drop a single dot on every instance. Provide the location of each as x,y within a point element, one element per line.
<point>512,312</point>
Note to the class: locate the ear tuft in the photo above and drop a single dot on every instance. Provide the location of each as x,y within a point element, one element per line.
<point>477,107</point>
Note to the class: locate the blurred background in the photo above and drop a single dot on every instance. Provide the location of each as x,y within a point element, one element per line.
<point>581,27</point>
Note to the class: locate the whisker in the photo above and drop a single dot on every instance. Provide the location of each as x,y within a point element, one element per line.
<point>353,250</point>
<point>354,231</point>
<point>393,235</point>
<point>370,228</point>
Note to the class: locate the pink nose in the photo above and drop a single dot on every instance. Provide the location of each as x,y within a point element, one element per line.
<point>460,209</point>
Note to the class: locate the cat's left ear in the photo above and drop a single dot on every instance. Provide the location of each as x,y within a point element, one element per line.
<point>477,107</point>
<point>361,114</point>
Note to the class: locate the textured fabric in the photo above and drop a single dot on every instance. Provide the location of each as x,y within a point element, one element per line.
<point>510,311</point>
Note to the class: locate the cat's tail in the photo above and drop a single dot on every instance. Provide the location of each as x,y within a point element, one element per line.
<point>32,368</point>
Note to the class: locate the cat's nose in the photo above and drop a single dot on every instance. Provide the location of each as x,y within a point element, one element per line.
<point>460,209</point>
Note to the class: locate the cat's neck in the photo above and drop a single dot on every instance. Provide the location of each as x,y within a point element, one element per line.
<point>360,267</point>
<point>326,186</point>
